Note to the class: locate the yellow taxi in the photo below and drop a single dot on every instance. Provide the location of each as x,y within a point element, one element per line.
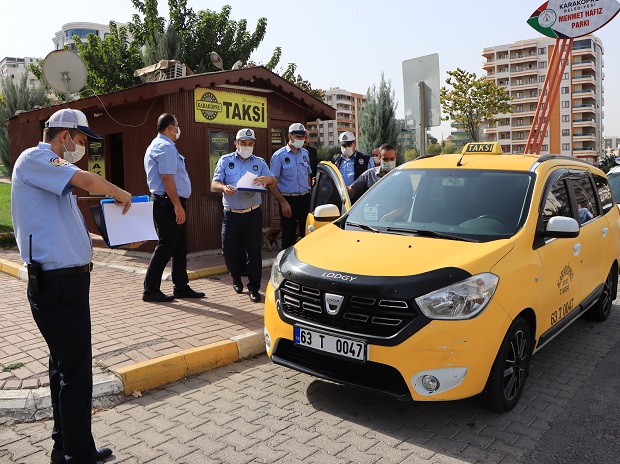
<point>444,278</point>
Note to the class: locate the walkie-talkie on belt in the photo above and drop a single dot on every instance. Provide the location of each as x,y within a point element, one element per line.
<point>34,273</point>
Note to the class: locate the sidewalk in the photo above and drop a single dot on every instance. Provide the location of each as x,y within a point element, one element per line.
<point>136,345</point>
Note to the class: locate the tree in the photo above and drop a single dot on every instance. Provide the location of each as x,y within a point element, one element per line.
<point>15,98</point>
<point>433,149</point>
<point>326,153</point>
<point>110,62</point>
<point>448,148</point>
<point>607,162</point>
<point>300,82</point>
<point>378,123</point>
<point>472,101</point>
<point>411,154</point>
<point>163,46</point>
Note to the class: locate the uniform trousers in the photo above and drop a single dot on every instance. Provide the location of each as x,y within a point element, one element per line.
<point>172,245</point>
<point>300,206</point>
<point>61,310</point>
<point>242,240</point>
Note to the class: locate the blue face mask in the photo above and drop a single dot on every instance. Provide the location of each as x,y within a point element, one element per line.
<point>387,166</point>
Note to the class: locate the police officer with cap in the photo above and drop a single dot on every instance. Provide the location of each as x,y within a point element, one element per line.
<point>53,239</point>
<point>350,162</point>
<point>291,166</point>
<point>242,222</point>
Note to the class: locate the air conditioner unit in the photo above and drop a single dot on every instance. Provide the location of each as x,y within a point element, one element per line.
<point>165,69</point>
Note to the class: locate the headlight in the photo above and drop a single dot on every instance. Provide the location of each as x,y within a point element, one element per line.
<point>276,276</point>
<point>462,300</point>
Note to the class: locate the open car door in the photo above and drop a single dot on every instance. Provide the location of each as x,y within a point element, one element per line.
<point>329,199</point>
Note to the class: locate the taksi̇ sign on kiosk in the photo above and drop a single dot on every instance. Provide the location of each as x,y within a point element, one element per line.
<point>214,106</point>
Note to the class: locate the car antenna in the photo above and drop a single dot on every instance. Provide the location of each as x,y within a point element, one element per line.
<point>460,159</point>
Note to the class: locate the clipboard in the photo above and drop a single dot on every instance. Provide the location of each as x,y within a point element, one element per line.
<point>252,189</point>
<point>115,233</point>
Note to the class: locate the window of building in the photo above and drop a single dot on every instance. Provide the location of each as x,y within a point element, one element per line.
<point>542,65</point>
<point>565,76</point>
<point>541,78</point>
<point>544,148</point>
<point>565,104</point>
<point>81,33</point>
<point>566,146</point>
<point>565,132</point>
<point>542,51</point>
<point>564,90</point>
<point>565,118</point>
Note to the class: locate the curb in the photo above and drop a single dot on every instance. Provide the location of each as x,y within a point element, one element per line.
<point>110,389</point>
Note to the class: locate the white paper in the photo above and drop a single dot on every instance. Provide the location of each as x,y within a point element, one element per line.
<point>247,182</point>
<point>135,226</point>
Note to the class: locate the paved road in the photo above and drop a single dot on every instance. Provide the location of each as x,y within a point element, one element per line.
<point>254,411</point>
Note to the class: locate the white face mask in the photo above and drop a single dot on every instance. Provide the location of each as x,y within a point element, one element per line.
<point>298,143</point>
<point>387,166</point>
<point>245,152</point>
<point>178,134</point>
<point>75,155</point>
<point>377,160</point>
<point>347,151</point>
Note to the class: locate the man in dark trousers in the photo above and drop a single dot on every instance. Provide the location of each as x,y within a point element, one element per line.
<point>170,186</point>
<point>291,166</point>
<point>53,239</point>
<point>350,162</point>
<point>242,222</point>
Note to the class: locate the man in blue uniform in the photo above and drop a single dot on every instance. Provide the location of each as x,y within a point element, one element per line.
<point>170,186</point>
<point>350,162</point>
<point>53,239</point>
<point>242,222</point>
<point>291,166</point>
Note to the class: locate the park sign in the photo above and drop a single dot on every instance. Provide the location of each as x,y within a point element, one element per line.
<point>568,19</point>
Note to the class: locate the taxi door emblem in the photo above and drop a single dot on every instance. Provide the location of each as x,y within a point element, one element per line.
<point>333,303</point>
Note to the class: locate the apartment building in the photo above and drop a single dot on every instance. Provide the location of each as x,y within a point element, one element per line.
<point>576,120</point>
<point>15,68</point>
<point>612,145</point>
<point>65,35</point>
<point>348,106</point>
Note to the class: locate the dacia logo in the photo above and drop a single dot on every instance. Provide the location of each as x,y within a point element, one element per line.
<point>333,303</point>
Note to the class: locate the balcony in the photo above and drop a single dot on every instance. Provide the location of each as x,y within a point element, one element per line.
<point>584,137</point>
<point>583,93</point>
<point>589,122</point>
<point>580,80</point>
<point>584,64</point>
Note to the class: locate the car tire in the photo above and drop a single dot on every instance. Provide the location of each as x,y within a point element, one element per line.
<point>601,309</point>
<point>511,367</point>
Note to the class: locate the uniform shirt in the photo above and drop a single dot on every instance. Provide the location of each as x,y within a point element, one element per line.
<point>162,157</point>
<point>230,168</point>
<point>367,180</point>
<point>291,169</point>
<point>42,205</point>
<point>347,168</point>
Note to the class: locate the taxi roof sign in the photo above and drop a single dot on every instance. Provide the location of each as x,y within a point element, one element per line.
<point>482,148</point>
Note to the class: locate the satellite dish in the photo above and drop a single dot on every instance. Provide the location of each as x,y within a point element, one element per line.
<point>237,65</point>
<point>64,71</point>
<point>216,60</point>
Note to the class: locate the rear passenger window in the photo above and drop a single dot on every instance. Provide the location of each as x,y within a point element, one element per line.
<point>556,203</point>
<point>604,193</point>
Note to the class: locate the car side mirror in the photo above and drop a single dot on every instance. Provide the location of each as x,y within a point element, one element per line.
<point>327,212</point>
<point>560,227</point>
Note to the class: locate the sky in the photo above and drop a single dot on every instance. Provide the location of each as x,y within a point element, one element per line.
<point>346,44</point>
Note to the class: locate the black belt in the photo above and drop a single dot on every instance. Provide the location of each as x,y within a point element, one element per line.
<point>166,197</point>
<point>68,271</point>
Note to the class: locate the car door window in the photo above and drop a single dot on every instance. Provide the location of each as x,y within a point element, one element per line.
<point>604,193</point>
<point>556,203</point>
<point>587,207</point>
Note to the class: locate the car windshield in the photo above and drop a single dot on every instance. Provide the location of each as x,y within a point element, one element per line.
<point>473,205</point>
<point>614,181</point>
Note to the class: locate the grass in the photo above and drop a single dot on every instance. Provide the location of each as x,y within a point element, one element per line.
<point>6,225</point>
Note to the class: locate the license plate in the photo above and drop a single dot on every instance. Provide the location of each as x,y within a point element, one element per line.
<point>341,346</point>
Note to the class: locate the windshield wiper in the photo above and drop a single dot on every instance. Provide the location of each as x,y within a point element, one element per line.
<point>362,226</point>
<point>430,233</point>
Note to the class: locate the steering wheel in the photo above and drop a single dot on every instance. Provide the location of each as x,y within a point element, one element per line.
<point>495,218</point>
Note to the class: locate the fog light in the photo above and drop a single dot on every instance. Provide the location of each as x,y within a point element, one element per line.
<point>431,383</point>
<point>267,340</point>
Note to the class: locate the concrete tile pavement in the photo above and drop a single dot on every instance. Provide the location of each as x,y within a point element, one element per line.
<point>136,345</point>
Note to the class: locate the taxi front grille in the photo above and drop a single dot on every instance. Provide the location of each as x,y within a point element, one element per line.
<point>362,316</point>
<point>375,376</point>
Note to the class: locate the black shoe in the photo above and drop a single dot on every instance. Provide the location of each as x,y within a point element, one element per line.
<point>58,457</point>
<point>157,297</point>
<point>254,297</point>
<point>238,286</point>
<point>187,293</point>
